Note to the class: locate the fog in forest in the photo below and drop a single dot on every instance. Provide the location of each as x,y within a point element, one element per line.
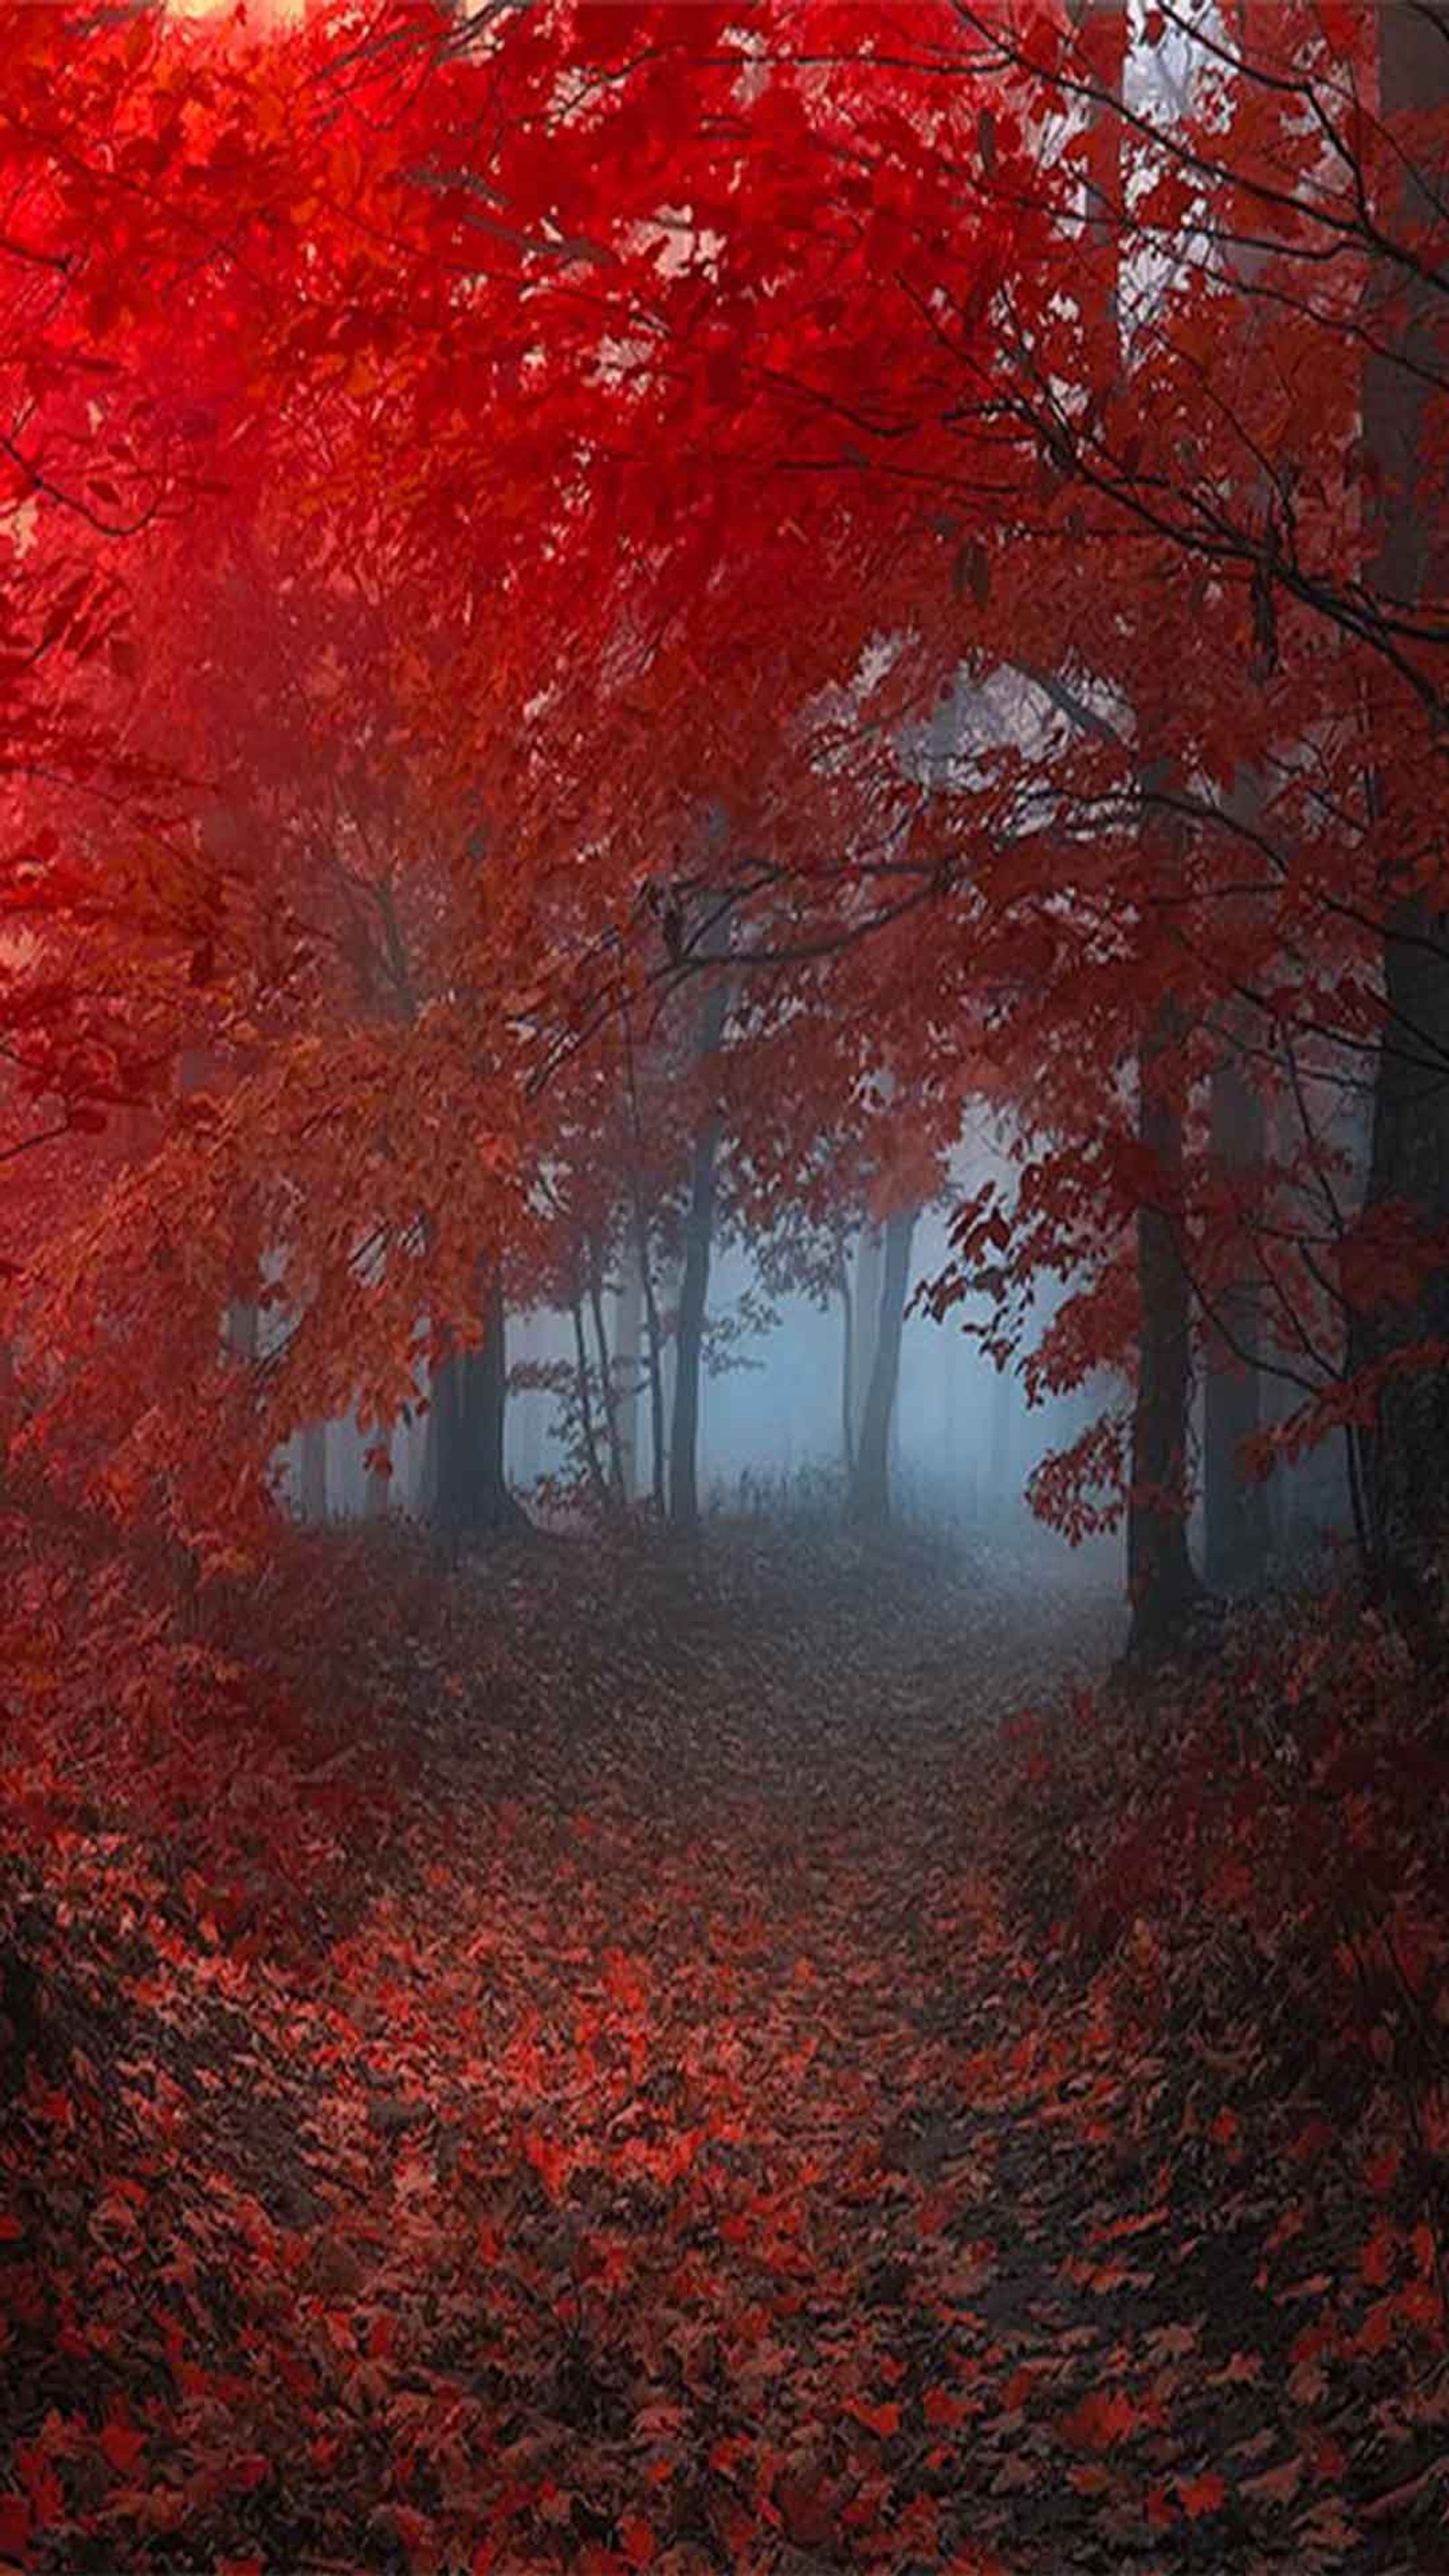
<point>783,1376</point>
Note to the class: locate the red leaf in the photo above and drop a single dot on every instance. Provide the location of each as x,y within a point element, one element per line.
<point>47,2496</point>
<point>1376,2261</point>
<point>625,1980</point>
<point>550,2161</point>
<point>637,2541</point>
<point>1106,2416</point>
<point>123,2446</point>
<point>880,2420</point>
<point>1201,2495</point>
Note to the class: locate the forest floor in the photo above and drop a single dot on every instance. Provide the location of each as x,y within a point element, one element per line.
<point>597,2075</point>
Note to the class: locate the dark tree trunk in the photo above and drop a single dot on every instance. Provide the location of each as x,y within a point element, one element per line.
<point>628,1368</point>
<point>1161,1584</point>
<point>694,1293</point>
<point>1236,1534</point>
<point>377,1501</point>
<point>653,1331</point>
<point>592,1461</point>
<point>1405,1452</point>
<point>870,1485</point>
<point>847,1369</point>
<point>654,1338</point>
<point>470,1398</point>
<point>1000,1468</point>
<point>869,1252</point>
<point>608,1388</point>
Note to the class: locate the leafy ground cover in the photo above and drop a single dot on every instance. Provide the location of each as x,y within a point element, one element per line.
<point>748,2062</point>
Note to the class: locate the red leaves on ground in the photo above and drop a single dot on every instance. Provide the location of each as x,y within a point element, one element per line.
<point>1104,2417</point>
<point>637,2542</point>
<point>1201,2495</point>
<point>322,2178</point>
<point>124,2446</point>
<point>882,2420</point>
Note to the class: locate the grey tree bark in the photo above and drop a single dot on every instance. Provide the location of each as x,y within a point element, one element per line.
<point>694,1289</point>
<point>378,1501</point>
<point>1236,1535</point>
<point>847,1368</point>
<point>869,1258</point>
<point>1162,1586</point>
<point>870,1484</point>
<point>470,1401</point>
<point>608,1382</point>
<point>643,1255</point>
<point>597,1482</point>
<point>625,1364</point>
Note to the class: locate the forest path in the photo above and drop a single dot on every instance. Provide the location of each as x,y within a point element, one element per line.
<point>966,2277</point>
<point>669,2149</point>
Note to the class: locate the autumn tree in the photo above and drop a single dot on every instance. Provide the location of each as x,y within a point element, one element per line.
<point>845,434</point>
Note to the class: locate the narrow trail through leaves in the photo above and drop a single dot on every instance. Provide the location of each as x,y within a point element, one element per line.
<point>664,2150</point>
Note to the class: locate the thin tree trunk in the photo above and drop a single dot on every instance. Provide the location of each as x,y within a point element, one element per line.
<point>868,1258</point>
<point>608,1390</point>
<point>847,1370</point>
<point>1161,1584</point>
<point>1235,1505</point>
<point>653,1332</point>
<point>586,1404</point>
<point>694,1292</point>
<point>378,1496</point>
<point>1000,1438</point>
<point>870,1489</point>
<point>654,1338</point>
<point>1160,1580</point>
<point>626,1365</point>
